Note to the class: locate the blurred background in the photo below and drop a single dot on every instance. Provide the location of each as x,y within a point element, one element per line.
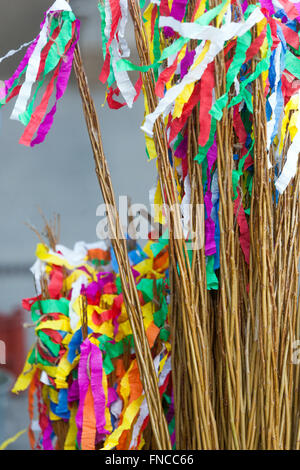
<point>57,176</point>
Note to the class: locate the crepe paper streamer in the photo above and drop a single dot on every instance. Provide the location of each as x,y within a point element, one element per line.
<point>113,104</point>
<point>88,436</point>
<point>122,79</point>
<point>129,415</point>
<point>121,33</point>
<point>47,255</point>
<point>52,50</point>
<point>31,391</point>
<point>210,245</point>
<point>212,280</point>
<point>206,96</point>
<point>262,66</point>
<point>113,23</point>
<point>47,442</point>
<point>215,45</point>
<point>34,61</point>
<point>275,100</point>
<point>83,382</point>
<point>45,307</point>
<point>293,64</point>
<point>113,14</point>
<point>25,377</point>
<point>12,439</point>
<point>164,366</point>
<point>243,44</point>
<point>31,72</point>
<point>210,33</point>
<point>92,395</point>
<point>176,46</point>
<point>62,82</point>
<point>98,393</point>
<point>62,372</point>
<point>56,282</point>
<point>144,411</point>
<point>70,442</point>
<point>244,229</point>
<point>13,52</point>
<point>290,167</point>
<point>51,57</point>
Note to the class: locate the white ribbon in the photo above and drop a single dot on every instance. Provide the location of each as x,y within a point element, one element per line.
<point>38,270</point>
<point>210,33</point>
<point>77,256</point>
<point>185,206</point>
<point>217,37</point>
<point>123,22</point>
<point>290,167</point>
<point>12,52</point>
<point>76,288</point>
<point>122,78</point>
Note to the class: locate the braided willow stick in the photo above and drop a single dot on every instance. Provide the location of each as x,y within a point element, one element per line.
<point>130,294</point>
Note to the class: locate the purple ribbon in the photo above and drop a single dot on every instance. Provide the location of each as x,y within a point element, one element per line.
<point>268,5</point>
<point>96,287</point>
<point>97,389</point>
<point>73,392</point>
<point>177,12</point>
<point>210,244</point>
<point>186,62</point>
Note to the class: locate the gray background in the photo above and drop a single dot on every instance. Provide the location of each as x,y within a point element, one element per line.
<point>58,175</point>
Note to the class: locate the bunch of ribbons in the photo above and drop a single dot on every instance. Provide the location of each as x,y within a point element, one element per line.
<point>45,69</point>
<point>82,368</point>
<point>259,39</point>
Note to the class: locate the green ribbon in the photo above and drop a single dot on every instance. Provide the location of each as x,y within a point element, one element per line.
<point>262,66</point>
<point>161,315</point>
<point>162,242</point>
<point>292,64</point>
<point>243,44</point>
<point>54,56</point>
<point>36,358</point>
<point>43,307</point>
<point>211,278</point>
<point>202,151</point>
<point>101,9</point>
<point>236,174</point>
<point>112,350</point>
<point>54,348</point>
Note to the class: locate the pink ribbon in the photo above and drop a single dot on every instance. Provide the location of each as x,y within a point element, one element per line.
<point>90,371</point>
